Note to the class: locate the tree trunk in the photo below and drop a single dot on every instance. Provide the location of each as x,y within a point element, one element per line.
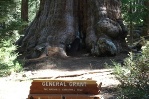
<point>24,10</point>
<point>146,20</point>
<point>63,26</point>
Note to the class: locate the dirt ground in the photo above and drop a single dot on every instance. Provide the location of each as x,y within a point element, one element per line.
<point>17,85</point>
<point>77,62</point>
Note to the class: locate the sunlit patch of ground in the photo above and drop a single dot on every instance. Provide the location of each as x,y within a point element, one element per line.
<point>17,86</point>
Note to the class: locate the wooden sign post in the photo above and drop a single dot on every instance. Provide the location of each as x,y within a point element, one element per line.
<point>64,89</point>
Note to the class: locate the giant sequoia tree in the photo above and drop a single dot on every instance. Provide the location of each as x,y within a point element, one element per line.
<point>63,26</point>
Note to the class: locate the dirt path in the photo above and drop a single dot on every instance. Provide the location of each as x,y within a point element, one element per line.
<point>17,86</point>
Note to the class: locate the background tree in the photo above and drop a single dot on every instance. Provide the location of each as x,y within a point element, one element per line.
<point>24,10</point>
<point>146,19</point>
<point>136,12</point>
<point>29,9</point>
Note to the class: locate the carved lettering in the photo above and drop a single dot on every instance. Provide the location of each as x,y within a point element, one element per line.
<point>71,84</point>
<point>57,84</point>
<point>49,84</point>
<point>77,84</point>
<point>54,84</point>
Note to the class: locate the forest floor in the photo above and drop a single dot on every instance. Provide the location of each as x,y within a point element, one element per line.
<point>17,85</point>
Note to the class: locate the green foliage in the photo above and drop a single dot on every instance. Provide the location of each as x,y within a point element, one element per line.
<point>133,10</point>
<point>9,16</point>
<point>134,76</point>
<point>10,27</point>
<point>8,56</point>
<point>8,7</point>
<point>10,24</point>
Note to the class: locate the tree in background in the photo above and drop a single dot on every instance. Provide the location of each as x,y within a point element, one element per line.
<point>136,13</point>
<point>24,10</point>
<point>29,9</point>
<point>146,19</point>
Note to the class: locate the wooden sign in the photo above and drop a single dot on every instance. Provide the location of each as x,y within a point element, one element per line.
<point>67,88</point>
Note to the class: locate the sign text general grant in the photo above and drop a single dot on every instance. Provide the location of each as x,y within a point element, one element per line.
<point>71,84</point>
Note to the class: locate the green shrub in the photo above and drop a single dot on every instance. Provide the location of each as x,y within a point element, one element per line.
<point>8,56</point>
<point>134,76</point>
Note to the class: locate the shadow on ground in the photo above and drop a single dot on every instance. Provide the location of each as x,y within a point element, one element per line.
<point>72,63</point>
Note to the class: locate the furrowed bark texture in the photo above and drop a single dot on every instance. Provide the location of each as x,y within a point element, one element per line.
<point>96,24</point>
<point>24,10</point>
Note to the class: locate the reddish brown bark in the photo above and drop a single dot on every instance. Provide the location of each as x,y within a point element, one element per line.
<point>63,23</point>
<point>24,10</point>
